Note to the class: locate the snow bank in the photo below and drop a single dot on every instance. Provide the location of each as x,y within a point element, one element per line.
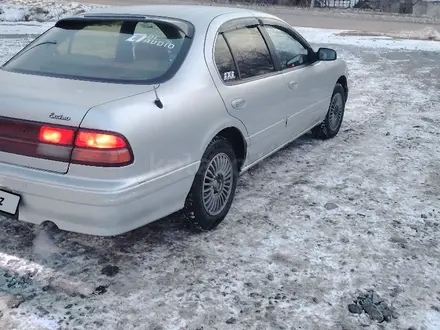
<point>40,10</point>
<point>427,33</point>
<point>377,41</point>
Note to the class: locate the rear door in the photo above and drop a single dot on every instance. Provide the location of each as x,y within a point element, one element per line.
<point>304,77</point>
<point>251,88</point>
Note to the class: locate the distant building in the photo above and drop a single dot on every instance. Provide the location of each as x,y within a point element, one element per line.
<point>427,7</point>
<point>416,7</point>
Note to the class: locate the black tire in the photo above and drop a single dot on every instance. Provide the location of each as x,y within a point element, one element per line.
<point>326,129</point>
<point>195,210</point>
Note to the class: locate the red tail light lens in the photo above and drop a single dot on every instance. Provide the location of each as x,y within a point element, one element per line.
<point>55,135</point>
<point>94,148</point>
<point>101,157</point>
<point>97,148</point>
<point>99,140</point>
<point>64,144</point>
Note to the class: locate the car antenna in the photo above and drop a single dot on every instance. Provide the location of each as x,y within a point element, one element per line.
<point>157,101</point>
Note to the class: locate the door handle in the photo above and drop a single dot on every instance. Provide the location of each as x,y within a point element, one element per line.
<point>238,103</point>
<point>293,84</point>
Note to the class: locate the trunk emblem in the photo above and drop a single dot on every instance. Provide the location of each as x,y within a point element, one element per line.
<point>53,115</point>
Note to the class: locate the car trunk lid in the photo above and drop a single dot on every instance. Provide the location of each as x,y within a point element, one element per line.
<point>28,102</point>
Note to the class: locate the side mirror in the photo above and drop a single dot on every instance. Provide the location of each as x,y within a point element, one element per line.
<point>326,54</point>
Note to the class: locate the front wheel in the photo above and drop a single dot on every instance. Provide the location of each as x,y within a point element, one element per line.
<point>329,128</point>
<point>213,189</point>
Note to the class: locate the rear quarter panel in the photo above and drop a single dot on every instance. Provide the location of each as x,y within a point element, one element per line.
<point>174,137</point>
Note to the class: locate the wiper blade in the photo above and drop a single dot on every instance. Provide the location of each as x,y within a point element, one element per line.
<point>36,45</point>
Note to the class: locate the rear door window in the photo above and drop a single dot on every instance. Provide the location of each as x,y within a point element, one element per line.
<point>115,51</point>
<point>250,52</point>
<point>224,60</point>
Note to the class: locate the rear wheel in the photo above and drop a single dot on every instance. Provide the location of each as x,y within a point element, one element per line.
<point>329,128</point>
<point>213,189</point>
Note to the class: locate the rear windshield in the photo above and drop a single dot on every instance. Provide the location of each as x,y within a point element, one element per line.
<point>115,51</point>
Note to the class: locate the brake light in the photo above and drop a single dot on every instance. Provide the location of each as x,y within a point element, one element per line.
<point>99,140</point>
<point>94,148</point>
<point>64,144</point>
<point>55,135</point>
<point>97,148</point>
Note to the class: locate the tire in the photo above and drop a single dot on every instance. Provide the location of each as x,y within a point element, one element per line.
<point>329,128</point>
<point>220,160</point>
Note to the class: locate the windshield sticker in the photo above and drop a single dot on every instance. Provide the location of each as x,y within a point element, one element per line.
<point>149,39</point>
<point>230,75</point>
<point>138,37</point>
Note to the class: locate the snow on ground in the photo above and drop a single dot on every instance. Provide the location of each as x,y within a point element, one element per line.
<point>427,33</point>
<point>311,227</point>
<point>340,37</point>
<point>16,30</point>
<point>40,10</point>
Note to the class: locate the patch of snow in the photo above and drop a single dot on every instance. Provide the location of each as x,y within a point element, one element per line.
<point>432,318</point>
<point>330,36</point>
<point>427,33</point>
<point>41,10</point>
<point>24,28</point>
<point>35,321</point>
<point>10,46</point>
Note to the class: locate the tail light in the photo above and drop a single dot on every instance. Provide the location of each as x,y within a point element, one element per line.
<point>56,135</point>
<point>101,149</point>
<point>99,140</point>
<point>64,144</point>
<point>94,148</point>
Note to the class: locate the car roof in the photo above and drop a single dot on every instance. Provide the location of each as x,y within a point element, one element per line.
<point>200,15</point>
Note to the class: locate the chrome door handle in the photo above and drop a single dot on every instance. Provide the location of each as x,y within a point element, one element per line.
<point>238,103</point>
<point>293,84</point>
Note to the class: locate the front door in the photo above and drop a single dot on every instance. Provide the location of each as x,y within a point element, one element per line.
<point>307,93</point>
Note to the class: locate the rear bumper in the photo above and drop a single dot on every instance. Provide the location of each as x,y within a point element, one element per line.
<point>113,209</point>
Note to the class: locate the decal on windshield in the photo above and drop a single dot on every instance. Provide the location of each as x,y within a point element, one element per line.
<point>230,75</point>
<point>149,39</point>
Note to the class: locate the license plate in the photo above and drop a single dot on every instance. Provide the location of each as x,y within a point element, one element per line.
<point>9,202</point>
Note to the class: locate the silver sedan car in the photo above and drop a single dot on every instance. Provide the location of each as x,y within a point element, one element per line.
<point>112,120</point>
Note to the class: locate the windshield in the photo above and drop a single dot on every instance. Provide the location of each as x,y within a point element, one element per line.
<point>115,51</point>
